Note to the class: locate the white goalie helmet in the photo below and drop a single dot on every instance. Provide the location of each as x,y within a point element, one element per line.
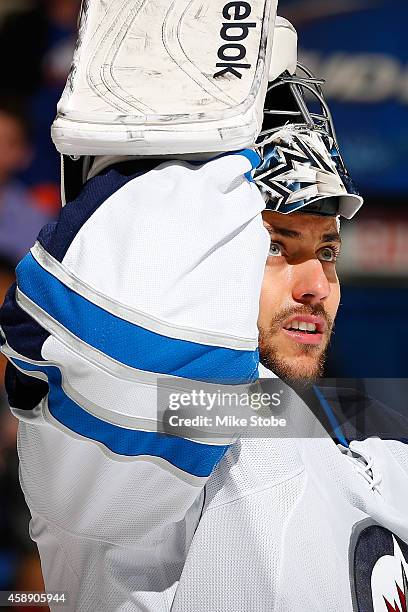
<point>301,164</point>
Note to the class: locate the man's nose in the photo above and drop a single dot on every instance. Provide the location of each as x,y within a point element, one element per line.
<point>310,285</point>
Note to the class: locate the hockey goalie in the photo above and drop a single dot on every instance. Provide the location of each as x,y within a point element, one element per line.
<point>203,189</point>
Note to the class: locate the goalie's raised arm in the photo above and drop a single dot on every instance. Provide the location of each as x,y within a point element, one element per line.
<point>143,276</point>
<point>151,275</point>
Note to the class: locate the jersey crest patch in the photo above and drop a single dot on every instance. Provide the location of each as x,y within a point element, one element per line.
<point>378,569</point>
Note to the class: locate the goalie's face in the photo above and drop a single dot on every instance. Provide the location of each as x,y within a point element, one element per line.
<point>300,294</point>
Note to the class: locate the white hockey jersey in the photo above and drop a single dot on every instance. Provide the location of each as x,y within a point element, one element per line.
<point>147,278</point>
<point>302,525</point>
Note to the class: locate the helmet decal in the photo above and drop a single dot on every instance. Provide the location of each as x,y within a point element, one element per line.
<point>299,167</point>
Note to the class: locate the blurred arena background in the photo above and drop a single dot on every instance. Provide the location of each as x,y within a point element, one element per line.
<point>359,47</point>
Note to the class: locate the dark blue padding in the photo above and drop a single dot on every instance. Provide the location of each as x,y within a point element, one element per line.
<point>22,333</point>
<point>128,343</point>
<point>23,392</point>
<point>191,457</point>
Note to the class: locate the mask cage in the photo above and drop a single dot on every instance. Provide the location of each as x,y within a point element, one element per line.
<point>286,103</point>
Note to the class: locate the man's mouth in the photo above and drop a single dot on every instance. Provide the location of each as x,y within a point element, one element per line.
<point>305,329</point>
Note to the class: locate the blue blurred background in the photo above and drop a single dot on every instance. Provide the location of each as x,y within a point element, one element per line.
<point>359,47</point>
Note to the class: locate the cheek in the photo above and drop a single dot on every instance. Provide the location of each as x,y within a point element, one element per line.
<point>271,297</point>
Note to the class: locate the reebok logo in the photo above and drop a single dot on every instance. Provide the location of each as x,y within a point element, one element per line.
<point>233,33</point>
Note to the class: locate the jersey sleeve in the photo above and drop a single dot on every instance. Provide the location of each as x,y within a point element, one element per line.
<point>143,280</point>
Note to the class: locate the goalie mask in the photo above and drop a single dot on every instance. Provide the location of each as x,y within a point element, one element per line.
<point>301,164</point>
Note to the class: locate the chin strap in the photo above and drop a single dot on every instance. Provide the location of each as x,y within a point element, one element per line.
<point>74,171</point>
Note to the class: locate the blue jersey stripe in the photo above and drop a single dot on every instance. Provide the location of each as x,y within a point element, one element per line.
<point>191,457</point>
<point>129,343</point>
<point>331,416</point>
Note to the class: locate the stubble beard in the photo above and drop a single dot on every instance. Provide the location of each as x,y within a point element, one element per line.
<point>286,368</point>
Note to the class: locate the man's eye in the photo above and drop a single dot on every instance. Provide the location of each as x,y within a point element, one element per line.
<point>275,250</point>
<point>328,254</point>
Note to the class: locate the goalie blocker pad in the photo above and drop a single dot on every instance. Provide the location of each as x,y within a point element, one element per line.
<point>160,78</point>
